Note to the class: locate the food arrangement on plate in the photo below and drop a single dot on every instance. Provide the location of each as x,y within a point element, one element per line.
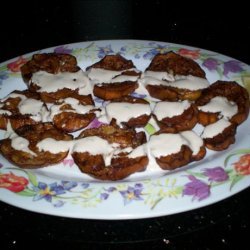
<point>59,100</point>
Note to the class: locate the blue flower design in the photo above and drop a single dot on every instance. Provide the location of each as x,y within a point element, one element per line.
<point>159,49</point>
<point>44,191</point>
<point>104,196</point>
<point>67,185</point>
<point>103,51</point>
<point>3,76</point>
<point>85,185</point>
<point>132,193</point>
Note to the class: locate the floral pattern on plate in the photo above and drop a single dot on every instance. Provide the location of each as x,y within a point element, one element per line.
<point>174,192</point>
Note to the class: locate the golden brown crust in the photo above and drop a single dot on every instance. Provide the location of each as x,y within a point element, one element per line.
<point>121,166</point>
<point>233,92</point>
<point>200,155</point>
<point>186,121</point>
<point>110,91</point>
<point>173,161</point>
<point>34,134</point>
<point>172,94</point>
<point>71,122</point>
<point>223,140</point>
<point>113,62</point>
<point>136,122</point>
<point>65,93</point>
<point>16,119</point>
<point>176,64</point>
<point>114,134</point>
<point>49,62</point>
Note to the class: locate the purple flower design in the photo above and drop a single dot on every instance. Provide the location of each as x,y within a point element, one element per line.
<point>104,196</point>
<point>44,191</point>
<point>232,66</point>
<point>1,165</point>
<point>3,76</point>
<point>132,193</point>
<point>154,51</point>
<point>217,174</point>
<point>196,188</point>
<point>103,51</point>
<point>211,64</point>
<point>63,50</point>
<point>95,123</point>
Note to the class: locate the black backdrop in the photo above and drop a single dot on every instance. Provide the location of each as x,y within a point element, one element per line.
<point>31,26</point>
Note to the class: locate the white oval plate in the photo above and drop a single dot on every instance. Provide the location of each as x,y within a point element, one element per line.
<point>64,191</point>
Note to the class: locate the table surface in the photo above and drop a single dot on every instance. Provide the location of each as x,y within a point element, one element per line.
<point>224,225</point>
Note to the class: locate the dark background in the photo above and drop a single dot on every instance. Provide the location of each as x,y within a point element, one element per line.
<point>26,27</point>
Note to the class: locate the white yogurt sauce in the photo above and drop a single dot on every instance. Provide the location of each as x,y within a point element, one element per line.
<point>165,144</point>
<point>183,82</point>
<point>54,82</point>
<point>98,75</point>
<point>123,111</point>
<point>220,104</point>
<point>194,141</point>
<point>214,129</point>
<point>170,109</point>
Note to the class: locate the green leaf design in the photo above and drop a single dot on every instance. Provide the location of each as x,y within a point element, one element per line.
<point>235,179</point>
<point>32,178</point>
<point>196,174</point>
<point>27,193</point>
<point>150,129</point>
<point>237,152</point>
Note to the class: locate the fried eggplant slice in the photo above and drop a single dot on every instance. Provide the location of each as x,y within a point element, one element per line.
<point>223,99</point>
<point>172,151</point>
<point>128,111</point>
<point>173,117</point>
<point>22,150</point>
<point>110,153</point>
<point>183,78</point>
<point>113,77</point>
<point>220,135</point>
<point>21,108</point>
<point>73,113</point>
<point>49,62</point>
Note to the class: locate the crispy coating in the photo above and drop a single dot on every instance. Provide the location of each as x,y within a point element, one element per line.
<point>49,62</point>
<point>233,92</point>
<point>113,62</point>
<point>223,140</point>
<point>172,94</point>
<point>16,119</point>
<point>173,161</point>
<point>34,134</point>
<point>200,155</point>
<point>70,121</point>
<point>114,134</point>
<point>121,166</point>
<point>136,122</point>
<point>110,91</point>
<point>186,121</point>
<point>174,64</point>
<point>60,94</point>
